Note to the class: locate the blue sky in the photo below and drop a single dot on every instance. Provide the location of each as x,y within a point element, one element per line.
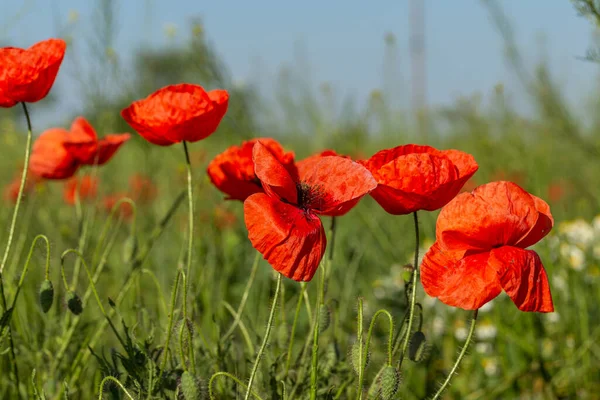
<point>341,40</point>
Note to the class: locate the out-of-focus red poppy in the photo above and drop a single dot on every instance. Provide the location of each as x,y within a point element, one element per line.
<point>109,202</point>
<point>232,171</point>
<point>58,153</point>
<point>27,75</point>
<point>86,187</point>
<point>224,219</point>
<point>49,157</point>
<point>557,190</point>
<point>413,177</point>
<point>480,249</point>
<point>11,191</point>
<point>470,185</point>
<point>84,145</point>
<point>176,113</point>
<point>283,222</point>
<point>143,190</point>
<point>517,177</point>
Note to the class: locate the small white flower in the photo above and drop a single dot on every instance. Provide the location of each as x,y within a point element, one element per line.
<point>484,348</point>
<point>486,330</point>
<point>574,256</point>
<point>490,366</point>
<point>578,232</point>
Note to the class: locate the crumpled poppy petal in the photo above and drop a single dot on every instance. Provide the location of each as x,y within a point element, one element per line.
<point>28,75</point>
<point>465,163</point>
<point>309,161</point>
<point>49,158</point>
<point>459,279</point>
<point>494,214</point>
<point>291,240</point>
<point>523,278</point>
<point>275,178</point>
<point>542,227</point>
<point>336,184</point>
<point>108,146</point>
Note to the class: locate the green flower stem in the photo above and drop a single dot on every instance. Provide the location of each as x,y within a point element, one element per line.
<point>116,382</point>
<point>315,349</point>
<point>265,339</point>
<point>413,291</point>
<point>294,324</point>
<point>459,359</point>
<point>163,364</point>
<point>230,376</point>
<point>189,251</point>
<point>240,310</point>
<point>11,233</point>
<point>359,339</point>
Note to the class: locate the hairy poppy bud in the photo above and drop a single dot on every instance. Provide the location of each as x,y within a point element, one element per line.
<point>389,381</point>
<point>191,387</point>
<point>130,248</point>
<point>324,318</point>
<point>355,358</point>
<point>74,303</point>
<point>46,295</point>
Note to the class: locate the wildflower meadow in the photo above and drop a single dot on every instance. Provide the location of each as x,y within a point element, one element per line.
<point>179,241</point>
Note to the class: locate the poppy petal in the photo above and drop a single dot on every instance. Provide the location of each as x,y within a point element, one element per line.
<point>82,141</point>
<point>543,225</point>
<point>338,183</point>
<point>523,278</point>
<point>493,215</point>
<point>290,239</point>
<point>49,158</point>
<point>459,279</point>
<point>109,145</point>
<point>275,178</point>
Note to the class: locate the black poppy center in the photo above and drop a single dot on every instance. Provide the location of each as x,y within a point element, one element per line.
<point>309,197</point>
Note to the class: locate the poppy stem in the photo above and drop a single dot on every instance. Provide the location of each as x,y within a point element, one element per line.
<point>265,339</point>
<point>189,252</point>
<point>10,239</point>
<point>459,359</point>
<point>315,349</point>
<point>413,291</point>
<point>293,333</point>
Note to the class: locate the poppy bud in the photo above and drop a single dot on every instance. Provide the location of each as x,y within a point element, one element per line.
<point>418,348</point>
<point>324,318</point>
<point>389,381</point>
<point>355,357</point>
<point>46,295</point>
<point>74,303</point>
<point>130,248</point>
<point>190,387</point>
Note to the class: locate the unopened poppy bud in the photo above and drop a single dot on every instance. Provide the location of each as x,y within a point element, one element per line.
<point>390,381</point>
<point>46,295</point>
<point>324,318</point>
<point>418,348</point>
<point>191,387</point>
<point>330,358</point>
<point>74,303</point>
<point>355,357</point>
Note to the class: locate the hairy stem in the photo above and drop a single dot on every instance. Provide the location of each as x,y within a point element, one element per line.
<point>413,291</point>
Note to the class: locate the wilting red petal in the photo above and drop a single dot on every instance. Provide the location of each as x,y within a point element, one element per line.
<point>125,208</point>
<point>523,278</point>
<point>108,146</point>
<point>290,239</point>
<point>275,178</point>
<point>459,279</point>
<point>493,215</point>
<point>82,141</point>
<point>28,75</point>
<point>176,113</point>
<point>337,183</point>
<point>49,158</point>
<point>86,187</point>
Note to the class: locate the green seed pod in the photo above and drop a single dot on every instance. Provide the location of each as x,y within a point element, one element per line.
<point>324,318</point>
<point>46,295</point>
<point>130,248</point>
<point>191,387</point>
<point>418,348</point>
<point>74,303</point>
<point>330,358</point>
<point>355,357</point>
<point>389,382</point>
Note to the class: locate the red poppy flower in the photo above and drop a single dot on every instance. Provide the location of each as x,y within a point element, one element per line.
<point>283,222</point>
<point>49,157</point>
<point>480,249</point>
<point>310,159</point>
<point>58,153</point>
<point>11,191</point>
<point>413,177</point>
<point>142,188</point>
<point>84,145</point>
<point>26,75</point>
<point>86,187</point>
<point>232,171</point>
<point>176,113</point>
